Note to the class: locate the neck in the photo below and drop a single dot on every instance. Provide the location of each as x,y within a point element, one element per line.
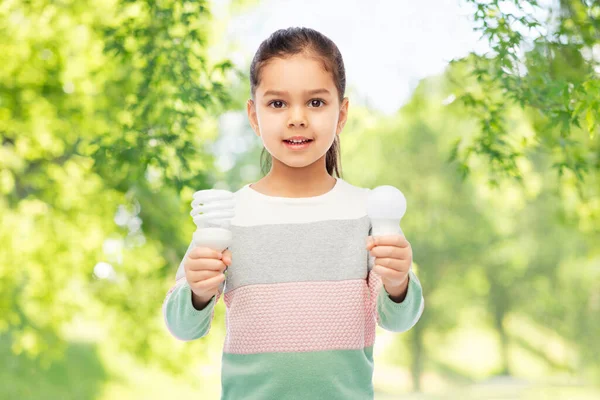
<point>312,180</point>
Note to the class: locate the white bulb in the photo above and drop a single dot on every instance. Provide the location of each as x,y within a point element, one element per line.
<point>212,212</point>
<point>386,206</point>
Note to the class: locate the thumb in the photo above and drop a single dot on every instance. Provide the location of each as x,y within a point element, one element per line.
<point>226,256</point>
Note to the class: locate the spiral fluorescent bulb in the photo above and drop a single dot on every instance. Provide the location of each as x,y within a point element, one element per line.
<point>212,211</point>
<point>386,206</point>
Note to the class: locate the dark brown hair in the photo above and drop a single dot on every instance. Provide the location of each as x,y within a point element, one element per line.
<point>296,40</point>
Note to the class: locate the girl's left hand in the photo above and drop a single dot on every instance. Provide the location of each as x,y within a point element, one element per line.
<point>393,258</point>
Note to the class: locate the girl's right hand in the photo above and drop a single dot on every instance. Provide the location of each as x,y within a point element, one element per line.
<point>204,269</point>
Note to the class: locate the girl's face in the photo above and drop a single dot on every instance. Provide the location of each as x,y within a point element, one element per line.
<point>297,97</point>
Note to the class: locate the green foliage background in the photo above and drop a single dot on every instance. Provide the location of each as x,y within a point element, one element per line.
<point>109,114</point>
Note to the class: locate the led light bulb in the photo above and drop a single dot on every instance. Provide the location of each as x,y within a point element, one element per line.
<point>386,206</point>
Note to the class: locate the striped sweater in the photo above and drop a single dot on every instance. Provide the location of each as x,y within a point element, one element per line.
<point>302,303</point>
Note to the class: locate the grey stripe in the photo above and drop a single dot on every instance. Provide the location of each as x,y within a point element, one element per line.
<point>330,250</point>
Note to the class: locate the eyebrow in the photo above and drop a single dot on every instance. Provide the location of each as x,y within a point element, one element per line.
<point>281,93</point>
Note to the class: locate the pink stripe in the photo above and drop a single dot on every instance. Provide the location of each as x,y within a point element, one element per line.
<point>301,316</point>
<point>375,285</point>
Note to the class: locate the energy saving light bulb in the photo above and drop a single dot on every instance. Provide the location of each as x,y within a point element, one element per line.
<point>212,211</point>
<point>386,206</point>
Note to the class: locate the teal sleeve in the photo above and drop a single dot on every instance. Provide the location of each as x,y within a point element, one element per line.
<point>181,318</point>
<point>400,317</point>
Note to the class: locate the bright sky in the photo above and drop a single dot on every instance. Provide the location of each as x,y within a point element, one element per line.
<point>387,46</point>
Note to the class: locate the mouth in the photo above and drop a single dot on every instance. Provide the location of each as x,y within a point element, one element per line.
<point>298,144</point>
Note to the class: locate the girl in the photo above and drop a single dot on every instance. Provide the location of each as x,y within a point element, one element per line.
<point>302,294</point>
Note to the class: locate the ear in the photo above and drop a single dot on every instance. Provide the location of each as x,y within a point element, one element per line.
<point>343,116</point>
<point>252,118</point>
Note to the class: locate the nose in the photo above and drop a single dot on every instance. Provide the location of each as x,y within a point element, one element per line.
<point>297,118</point>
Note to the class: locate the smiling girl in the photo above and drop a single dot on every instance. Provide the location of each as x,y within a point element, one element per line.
<point>306,284</point>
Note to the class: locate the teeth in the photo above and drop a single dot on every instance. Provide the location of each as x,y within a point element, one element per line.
<point>298,141</point>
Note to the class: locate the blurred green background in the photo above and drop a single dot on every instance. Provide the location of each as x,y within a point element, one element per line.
<point>113,112</point>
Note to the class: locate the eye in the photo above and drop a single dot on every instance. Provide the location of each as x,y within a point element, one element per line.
<point>312,102</point>
<point>275,102</point>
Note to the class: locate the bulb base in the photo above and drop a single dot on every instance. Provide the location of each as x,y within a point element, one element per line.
<point>382,227</point>
<point>215,238</point>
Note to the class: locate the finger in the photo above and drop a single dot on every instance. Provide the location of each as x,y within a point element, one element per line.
<point>392,263</point>
<point>382,271</point>
<point>204,252</point>
<point>227,257</point>
<point>202,264</point>
<point>390,274</point>
<point>198,276</point>
<point>389,240</point>
<point>211,283</point>
<point>399,253</point>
